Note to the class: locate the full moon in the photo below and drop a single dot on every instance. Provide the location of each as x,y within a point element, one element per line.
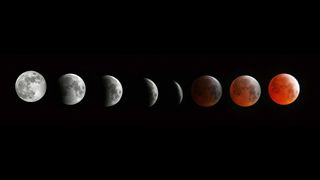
<point>72,88</point>
<point>245,91</point>
<point>284,89</point>
<point>31,86</point>
<point>113,90</point>
<point>206,91</point>
<point>152,92</point>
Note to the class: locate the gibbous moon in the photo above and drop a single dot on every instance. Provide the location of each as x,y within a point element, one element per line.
<point>72,88</point>
<point>245,91</point>
<point>206,91</point>
<point>113,90</point>
<point>31,86</point>
<point>284,89</point>
<point>152,92</point>
<point>179,91</point>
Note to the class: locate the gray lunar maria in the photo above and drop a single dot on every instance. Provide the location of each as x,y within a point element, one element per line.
<point>152,92</point>
<point>113,90</point>
<point>72,88</point>
<point>30,86</point>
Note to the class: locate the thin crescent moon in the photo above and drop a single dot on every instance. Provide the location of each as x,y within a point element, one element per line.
<point>180,92</point>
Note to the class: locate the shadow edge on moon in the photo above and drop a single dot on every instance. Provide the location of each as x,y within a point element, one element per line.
<point>113,90</point>
<point>153,92</point>
<point>68,82</point>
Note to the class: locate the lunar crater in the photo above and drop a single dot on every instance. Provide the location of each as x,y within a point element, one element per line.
<point>245,91</point>
<point>152,91</point>
<point>72,88</point>
<point>30,86</point>
<point>113,90</point>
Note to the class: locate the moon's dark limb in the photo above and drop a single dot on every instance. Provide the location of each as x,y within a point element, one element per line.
<point>206,91</point>
<point>113,90</point>
<point>72,88</point>
<point>171,94</point>
<point>152,92</point>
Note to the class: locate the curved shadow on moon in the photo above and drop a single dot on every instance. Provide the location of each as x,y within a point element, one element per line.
<point>72,88</point>
<point>112,90</point>
<point>152,92</point>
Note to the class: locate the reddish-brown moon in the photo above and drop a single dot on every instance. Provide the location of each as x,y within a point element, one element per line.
<point>284,89</point>
<point>245,91</point>
<point>206,91</point>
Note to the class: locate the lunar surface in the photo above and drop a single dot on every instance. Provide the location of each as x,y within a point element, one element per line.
<point>113,90</point>
<point>284,89</point>
<point>179,91</point>
<point>245,91</point>
<point>206,91</point>
<point>31,86</point>
<point>152,92</point>
<point>72,88</point>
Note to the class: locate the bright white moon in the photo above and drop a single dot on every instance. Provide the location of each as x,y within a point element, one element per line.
<point>31,86</point>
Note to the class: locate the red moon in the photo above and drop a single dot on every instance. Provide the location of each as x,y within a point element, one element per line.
<point>245,91</point>
<point>206,91</point>
<point>284,89</point>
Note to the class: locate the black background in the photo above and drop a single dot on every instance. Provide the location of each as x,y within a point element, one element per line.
<point>162,41</point>
<point>162,65</point>
<point>163,49</point>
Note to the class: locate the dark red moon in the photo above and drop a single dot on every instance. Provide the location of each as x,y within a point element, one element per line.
<point>206,91</point>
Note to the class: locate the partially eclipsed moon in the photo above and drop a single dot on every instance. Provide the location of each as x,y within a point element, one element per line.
<point>284,89</point>
<point>152,92</point>
<point>73,88</point>
<point>30,86</point>
<point>113,90</point>
<point>245,91</point>
<point>180,92</point>
<point>206,91</point>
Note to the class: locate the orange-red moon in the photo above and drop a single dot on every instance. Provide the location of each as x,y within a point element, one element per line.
<point>245,91</point>
<point>284,89</point>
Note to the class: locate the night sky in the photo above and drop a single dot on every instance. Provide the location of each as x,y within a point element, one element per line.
<point>162,65</point>
<point>161,52</point>
<point>162,42</point>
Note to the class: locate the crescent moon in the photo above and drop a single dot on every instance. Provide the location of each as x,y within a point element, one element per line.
<point>152,92</point>
<point>180,92</point>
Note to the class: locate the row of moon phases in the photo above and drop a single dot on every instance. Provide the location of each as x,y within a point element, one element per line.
<point>206,90</point>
